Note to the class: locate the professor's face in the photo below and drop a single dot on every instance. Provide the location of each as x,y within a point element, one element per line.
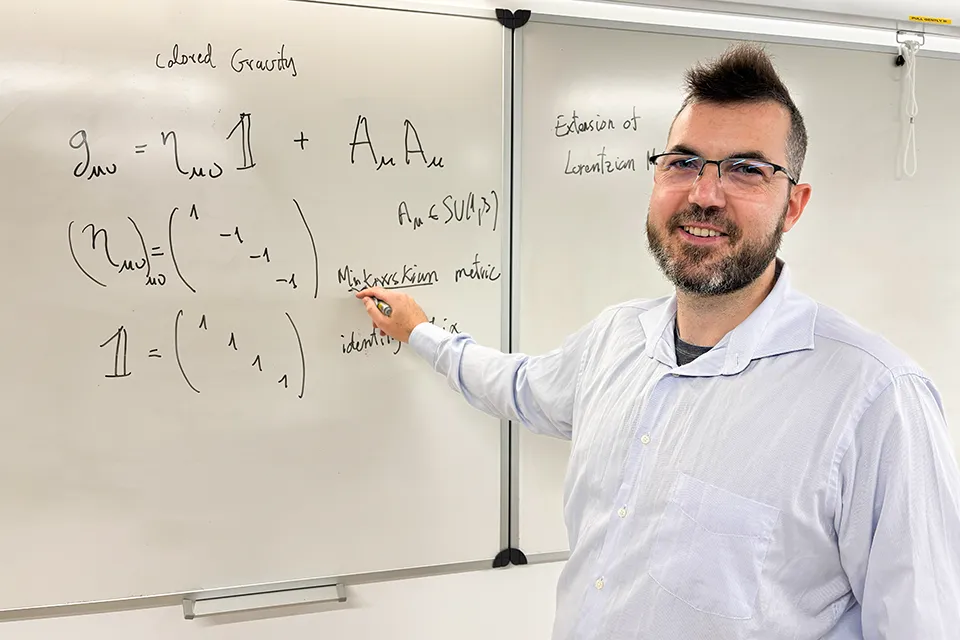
<point>713,235</point>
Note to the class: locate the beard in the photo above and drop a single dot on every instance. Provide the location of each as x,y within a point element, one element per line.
<point>692,268</point>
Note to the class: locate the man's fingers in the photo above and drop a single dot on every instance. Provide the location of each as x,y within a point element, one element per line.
<point>377,292</point>
<point>375,315</point>
<point>372,311</point>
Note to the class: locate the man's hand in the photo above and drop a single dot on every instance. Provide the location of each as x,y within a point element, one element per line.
<point>405,316</point>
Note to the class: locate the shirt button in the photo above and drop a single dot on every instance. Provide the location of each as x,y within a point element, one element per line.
<point>622,512</point>
<point>598,584</point>
<point>645,438</point>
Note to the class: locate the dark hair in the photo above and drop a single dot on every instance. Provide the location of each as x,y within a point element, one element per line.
<point>744,73</point>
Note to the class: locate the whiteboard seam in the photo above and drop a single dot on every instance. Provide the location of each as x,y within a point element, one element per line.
<point>506,261</point>
<point>516,101</point>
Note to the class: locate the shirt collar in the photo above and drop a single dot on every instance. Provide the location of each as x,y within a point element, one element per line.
<point>782,323</point>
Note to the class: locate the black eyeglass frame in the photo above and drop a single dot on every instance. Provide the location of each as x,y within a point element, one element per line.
<point>653,159</point>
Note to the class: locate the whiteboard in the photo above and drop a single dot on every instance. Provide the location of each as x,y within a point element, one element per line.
<point>192,396</point>
<point>875,245</point>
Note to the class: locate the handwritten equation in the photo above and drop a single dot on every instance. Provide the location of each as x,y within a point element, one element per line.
<point>89,170</point>
<point>119,363</point>
<point>360,150</point>
<point>145,259</point>
<point>482,210</point>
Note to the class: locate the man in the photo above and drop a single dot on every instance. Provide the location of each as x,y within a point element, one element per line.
<point>745,462</point>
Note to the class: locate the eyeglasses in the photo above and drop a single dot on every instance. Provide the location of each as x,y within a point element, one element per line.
<point>737,175</point>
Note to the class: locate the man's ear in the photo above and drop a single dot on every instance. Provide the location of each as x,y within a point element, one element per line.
<point>799,197</point>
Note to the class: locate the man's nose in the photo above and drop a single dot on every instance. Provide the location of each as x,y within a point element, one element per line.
<point>707,190</point>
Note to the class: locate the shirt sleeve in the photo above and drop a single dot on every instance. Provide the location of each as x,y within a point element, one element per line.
<point>899,516</point>
<point>537,391</point>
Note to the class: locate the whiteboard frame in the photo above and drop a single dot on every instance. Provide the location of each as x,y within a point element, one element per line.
<point>773,38</point>
<point>176,599</point>
<point>509,494</point>
<point>515,108</point>
<point>679,17</point>
<point>869,39</point>
<point>805,15</point>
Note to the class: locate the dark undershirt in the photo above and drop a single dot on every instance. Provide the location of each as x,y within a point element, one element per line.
<point>687,352</point>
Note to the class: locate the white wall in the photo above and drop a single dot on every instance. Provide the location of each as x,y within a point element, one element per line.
<point>508,604</point>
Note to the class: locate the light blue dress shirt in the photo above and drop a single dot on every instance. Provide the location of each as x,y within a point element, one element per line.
<point>796,482</point>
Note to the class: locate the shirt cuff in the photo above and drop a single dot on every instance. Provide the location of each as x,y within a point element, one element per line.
<point>425,340</point>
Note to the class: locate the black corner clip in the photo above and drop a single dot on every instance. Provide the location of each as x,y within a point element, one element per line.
<point>509,556</point>
<point>513,19</point>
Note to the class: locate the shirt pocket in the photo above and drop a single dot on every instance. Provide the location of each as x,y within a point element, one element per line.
<point>710,548</point>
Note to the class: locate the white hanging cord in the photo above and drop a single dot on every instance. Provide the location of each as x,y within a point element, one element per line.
<point>908,50</point>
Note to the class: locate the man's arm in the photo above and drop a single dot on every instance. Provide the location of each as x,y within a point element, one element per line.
<point>898,519</point>
<point>537,391</point>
